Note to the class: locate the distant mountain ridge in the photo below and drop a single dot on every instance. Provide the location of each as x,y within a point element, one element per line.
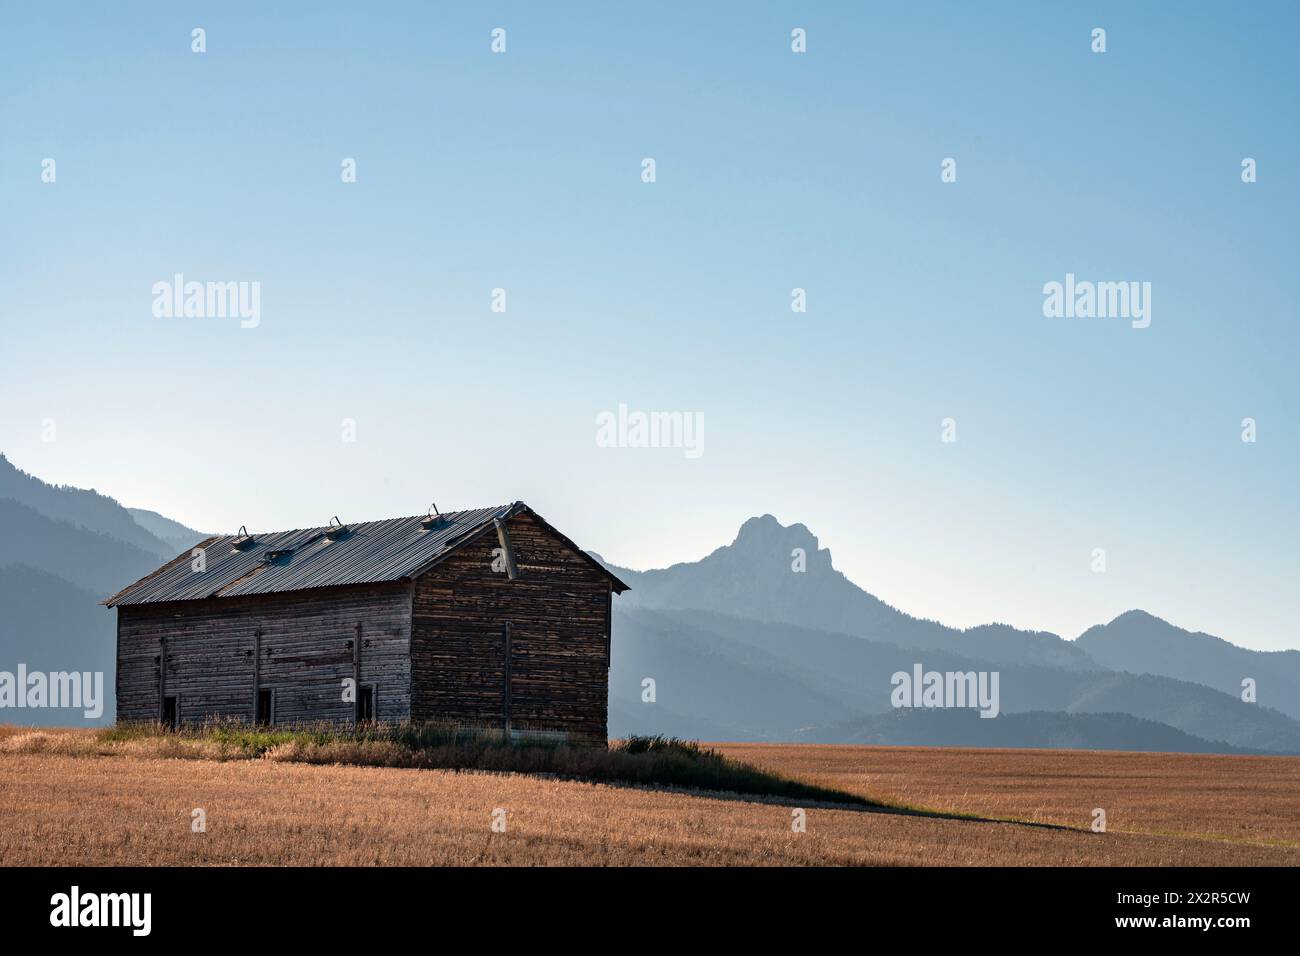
<point>172,533</point>
<point>1142,643</point>
<point>78,506</point>
<point>93,560</point>
<point>1035,729</point>
<point>52,625</point>
<point>771,681</point>
<point>752,578</point>
<point>62,550</point>
<point>764,632</point>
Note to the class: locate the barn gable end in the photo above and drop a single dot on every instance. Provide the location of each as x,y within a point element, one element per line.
<point>557,614</point>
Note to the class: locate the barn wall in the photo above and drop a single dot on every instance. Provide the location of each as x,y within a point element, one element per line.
<point>305,654</point>
<point>558,608</point>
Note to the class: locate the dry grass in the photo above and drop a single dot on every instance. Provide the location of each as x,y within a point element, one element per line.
<point>1236,798</point>
<point>69,743</point>
<point>57,809</point>
<point>59,804</point>
<point>650,761</point>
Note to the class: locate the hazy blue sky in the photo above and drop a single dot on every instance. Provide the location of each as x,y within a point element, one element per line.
<point>774,171</point>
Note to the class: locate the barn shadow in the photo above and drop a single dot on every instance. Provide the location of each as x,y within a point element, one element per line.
<point>850,803</point>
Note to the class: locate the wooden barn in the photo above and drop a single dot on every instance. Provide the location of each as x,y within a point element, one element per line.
<point>487,618</point>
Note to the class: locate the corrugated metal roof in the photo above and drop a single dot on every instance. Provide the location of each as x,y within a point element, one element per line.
<point>367,553</point>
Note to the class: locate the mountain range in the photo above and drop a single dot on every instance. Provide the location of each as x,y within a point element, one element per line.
<point>740,645</point>
<point>737,646</point>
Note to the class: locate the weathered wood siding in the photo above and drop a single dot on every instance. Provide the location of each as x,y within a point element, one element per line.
<point>558,610</point>
<point>306,653</point>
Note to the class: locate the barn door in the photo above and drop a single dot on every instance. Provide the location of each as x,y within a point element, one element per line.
<point>265,705</point>
<point>506,667</point>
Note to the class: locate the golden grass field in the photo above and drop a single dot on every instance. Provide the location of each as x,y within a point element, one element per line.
<point>1162,809</point>
<point>1248,800</point>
